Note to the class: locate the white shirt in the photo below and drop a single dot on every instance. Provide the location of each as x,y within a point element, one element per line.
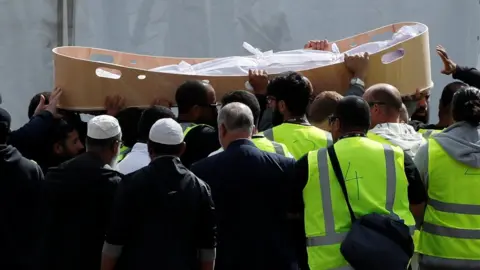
<point>135,160</point>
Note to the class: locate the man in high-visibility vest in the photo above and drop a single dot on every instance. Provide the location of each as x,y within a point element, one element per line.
<point>197,114</point>
<point>289,95</point>
<point>322,107</point>
<point>259,140</point>
<point>450,167</point>
<point>376,182</point>
<point>385,104</point>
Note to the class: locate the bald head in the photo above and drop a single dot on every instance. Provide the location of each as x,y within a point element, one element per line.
<point>384,94</point>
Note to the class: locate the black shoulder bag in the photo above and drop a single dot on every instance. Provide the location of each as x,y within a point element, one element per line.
<point>374,241</point>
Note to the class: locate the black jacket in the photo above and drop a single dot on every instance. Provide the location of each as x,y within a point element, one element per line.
<point>162,216</point>
<point>20,181</point>
<point>31,138</point>
<point>249,189</point>
<point>78,198</point>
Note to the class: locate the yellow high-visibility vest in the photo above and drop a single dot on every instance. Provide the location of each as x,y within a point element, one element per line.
<point>266,145</point>
<point>187,127</point>
<point>124,150</point>
<point>450,236</point>
<point>299,139</point>
<point>376,183</point>
<point>380,139</point>
<point>426,133</point>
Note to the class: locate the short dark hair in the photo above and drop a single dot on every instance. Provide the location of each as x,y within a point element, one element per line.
<point>59,132</point>
<point>466,105</point>
<point>163,149</point>
<point>5,122</point>
<point>353,113</point>
<point>246,98</point>
<point>103,144</point>
<point>323,106</point>
<point>191,93</point>
<point>294,89</point>
<point>128,120</point>
<point>149,117</point>
<point>449,90</point>
<point>34,102</point>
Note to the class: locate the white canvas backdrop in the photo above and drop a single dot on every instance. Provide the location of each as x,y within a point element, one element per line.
<point>214,28</point>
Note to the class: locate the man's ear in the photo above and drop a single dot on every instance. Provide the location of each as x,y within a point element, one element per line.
<point>57,148</point>
<point>254,130</point>
<point>183,147</point>
<point>282,107</point>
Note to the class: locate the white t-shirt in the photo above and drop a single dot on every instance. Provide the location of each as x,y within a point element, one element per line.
<point>135,160</point>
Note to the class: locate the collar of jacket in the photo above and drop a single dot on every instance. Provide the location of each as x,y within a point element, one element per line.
<point>240,142</point>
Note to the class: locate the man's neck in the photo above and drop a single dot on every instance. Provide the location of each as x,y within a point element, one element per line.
<point>444,122</point>
<point>236,138</point>
<point>291,118</point>
<point>185,118</point>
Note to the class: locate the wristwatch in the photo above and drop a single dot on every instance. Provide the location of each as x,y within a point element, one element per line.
<point>357,81</point>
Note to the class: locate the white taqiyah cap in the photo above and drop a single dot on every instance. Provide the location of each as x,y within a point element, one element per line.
<point>103,127</point>
<point>166,131</point>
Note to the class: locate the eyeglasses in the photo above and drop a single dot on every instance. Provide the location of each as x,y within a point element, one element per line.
<point>373,103</point>
<point>271,99</point>
<point>214,105</point>
<point>332,118</point>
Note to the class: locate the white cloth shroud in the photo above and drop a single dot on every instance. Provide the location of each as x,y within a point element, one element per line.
<point>274,63</point>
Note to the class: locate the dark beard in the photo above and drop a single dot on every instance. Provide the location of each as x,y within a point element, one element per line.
<point>420,115</point>
<point>277,118</point>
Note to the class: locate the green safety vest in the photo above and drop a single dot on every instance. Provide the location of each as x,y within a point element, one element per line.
<point>266,145</point>
<point>428,132</point>
<point>124,150</point>
<point>376,183</point>
<point>450,236</point>
<point>380,139</point>
<point>187,127</point>
<point>299,139</point>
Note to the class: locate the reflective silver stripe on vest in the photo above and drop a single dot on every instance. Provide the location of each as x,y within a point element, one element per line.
<point>268,134</point>
<point>331,237</point>
<point>427,133</point>
<point>466,209</point>
<point>278,148</point>
<point>431,262</point>
<point>450,232</point>
<point>329,139</point>
<point>391,178</point>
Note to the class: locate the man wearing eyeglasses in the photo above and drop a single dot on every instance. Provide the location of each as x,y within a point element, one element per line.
<point>289,96</point>
<point>385,104</point>
<point>197,114</point>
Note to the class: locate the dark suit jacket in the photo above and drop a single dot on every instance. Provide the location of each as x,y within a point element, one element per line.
<point>249,189</point>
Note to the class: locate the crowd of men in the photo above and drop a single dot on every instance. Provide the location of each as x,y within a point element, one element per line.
<point>245,182</point>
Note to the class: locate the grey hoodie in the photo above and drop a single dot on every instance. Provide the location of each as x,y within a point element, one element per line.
<point>461,141</point>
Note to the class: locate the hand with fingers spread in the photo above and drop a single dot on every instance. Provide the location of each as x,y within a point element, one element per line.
<point>258,79</point>
<point>114,104</point>
<point>357,64</point>
<point>50,104</point>
<point>449,66</point>
<point>319,45</point>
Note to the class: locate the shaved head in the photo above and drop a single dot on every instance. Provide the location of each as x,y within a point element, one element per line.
<point>384,94</point>
<point>385,103</point>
